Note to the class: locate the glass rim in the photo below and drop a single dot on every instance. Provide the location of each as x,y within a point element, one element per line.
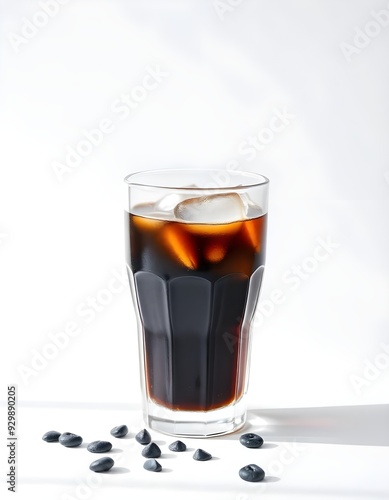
<point>253,179</point>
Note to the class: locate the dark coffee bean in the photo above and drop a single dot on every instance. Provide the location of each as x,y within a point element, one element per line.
<point>201,455</point>
<point>143,437</point>
<point>151,451</point>
<point>252,473</point>
<point>51,437</point>
<point>251,440</point>
<point>119,431</point>
<point>99,446</point>
<point>70,440</point>
<point>177,446</point>
<point>102,464</point>
<point>152,465</point>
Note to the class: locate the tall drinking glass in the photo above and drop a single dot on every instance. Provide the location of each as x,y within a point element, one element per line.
<point>195,252</point>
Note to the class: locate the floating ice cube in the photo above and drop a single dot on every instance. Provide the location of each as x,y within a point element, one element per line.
<point>212,209</point>
<point>167,203</point>
<point>252,209</point>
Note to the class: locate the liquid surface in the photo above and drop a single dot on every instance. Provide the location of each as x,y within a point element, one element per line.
<point>197,286</point>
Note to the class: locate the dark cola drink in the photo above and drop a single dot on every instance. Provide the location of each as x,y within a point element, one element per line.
<point>196,286</point>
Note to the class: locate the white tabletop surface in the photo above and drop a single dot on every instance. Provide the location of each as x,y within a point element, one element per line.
<point>332,452</point>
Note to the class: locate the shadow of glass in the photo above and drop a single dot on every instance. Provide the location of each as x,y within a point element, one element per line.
<point>352,425</point>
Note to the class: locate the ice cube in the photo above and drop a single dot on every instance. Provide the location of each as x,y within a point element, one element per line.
<point>180,245</point>
<point>211,209</point>
<point>144,218</point>
<point>168,202</point>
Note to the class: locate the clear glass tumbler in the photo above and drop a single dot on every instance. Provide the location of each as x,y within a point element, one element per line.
<point>195,252</point>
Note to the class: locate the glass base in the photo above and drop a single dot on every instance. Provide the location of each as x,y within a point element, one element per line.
<point>196,424</point>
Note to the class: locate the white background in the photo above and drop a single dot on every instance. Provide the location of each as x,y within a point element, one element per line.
<point>61,237</point>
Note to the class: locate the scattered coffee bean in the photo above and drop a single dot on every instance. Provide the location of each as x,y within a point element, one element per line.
<point>119,431</point>
<point>143,437</point>
<point>102,464</point>
<point>152,450</point>
<point>152,465</point>
<point>99,446</point>
<point>70,440</point>
<point>201,455</point>
<point>251,440</point>
<point>252,473</point>
<point>177,446</point>
<point>51,437</point>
